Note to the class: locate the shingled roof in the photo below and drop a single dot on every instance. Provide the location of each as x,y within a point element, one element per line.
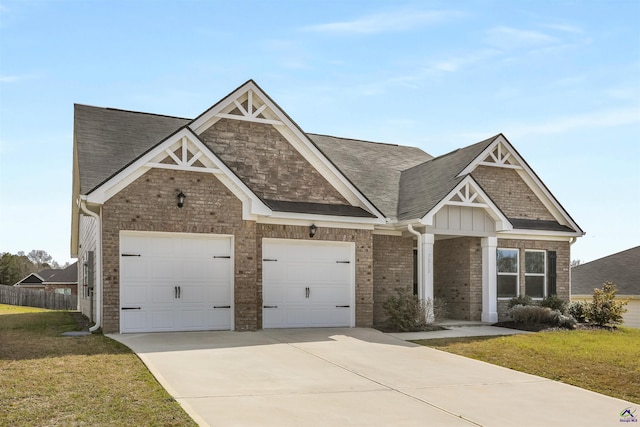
<point>622,268</point>
<point>423,186</point>
<point>375,168</point>
<point>402,182</point>
<point>107,140</point>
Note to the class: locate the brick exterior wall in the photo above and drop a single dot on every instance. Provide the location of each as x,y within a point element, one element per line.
<point>563,260</point>
<point>267,163</point>
<point>392,271</point>
<point>150,204</point>
<point>457,276</point>
<point>510,193</point>
<point>363,240</point>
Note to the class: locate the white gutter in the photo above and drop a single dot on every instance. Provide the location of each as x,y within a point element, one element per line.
<point>420,262</point>
<point>98,272</point>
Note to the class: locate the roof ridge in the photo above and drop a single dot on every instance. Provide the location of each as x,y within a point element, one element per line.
<point>608,256</point>
<point>360,140</point>
<point>133,111</point>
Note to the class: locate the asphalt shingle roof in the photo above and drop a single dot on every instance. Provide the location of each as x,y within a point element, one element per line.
<point>622,268</point>
<point>66,275</point>
<point>108,140</point>
<point>423,186</point>
<point>374,168</point>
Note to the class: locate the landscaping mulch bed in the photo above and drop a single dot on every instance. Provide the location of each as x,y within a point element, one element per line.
<point>543,327</point>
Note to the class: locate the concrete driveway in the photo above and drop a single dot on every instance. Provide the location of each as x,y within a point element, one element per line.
<point>349,377</point>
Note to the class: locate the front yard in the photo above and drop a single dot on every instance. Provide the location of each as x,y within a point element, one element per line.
<point>603,361</point>
<point>47,379</point>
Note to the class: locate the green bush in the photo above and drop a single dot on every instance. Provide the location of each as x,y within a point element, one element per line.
<point>520,300</point>
<point>554,303</point>
<point>532,314</point>
<point>405,312</point>
<point>605,309</point>
<point>578,310</point>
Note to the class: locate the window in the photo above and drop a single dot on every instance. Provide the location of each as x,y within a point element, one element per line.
<point>507,266</point>
<point>535,270</point>
<point>63,291</point>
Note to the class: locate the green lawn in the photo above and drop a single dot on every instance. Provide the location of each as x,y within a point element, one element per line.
<point>50,380</point>
<point>607,362</point>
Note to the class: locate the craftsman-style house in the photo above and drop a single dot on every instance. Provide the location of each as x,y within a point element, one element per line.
<point>239,220</point>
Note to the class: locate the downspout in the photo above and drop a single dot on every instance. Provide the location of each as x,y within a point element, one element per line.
<point>420,262</point>
<point>98,261</point>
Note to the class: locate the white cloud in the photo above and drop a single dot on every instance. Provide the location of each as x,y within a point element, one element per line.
<point>404,20</point>
<point>16,78</point>
<point>600,119</point>
<point>512,38</point>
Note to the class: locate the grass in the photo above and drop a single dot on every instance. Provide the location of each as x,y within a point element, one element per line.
<point>603,361</point>
<point>50,380</point>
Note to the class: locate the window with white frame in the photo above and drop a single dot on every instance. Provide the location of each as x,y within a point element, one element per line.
<point>507,265</point>
<point>535,273</point>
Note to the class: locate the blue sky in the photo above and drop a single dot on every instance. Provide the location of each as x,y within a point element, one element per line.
<point>561,80</point>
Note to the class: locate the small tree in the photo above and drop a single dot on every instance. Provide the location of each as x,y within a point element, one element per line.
<point>605,309</point>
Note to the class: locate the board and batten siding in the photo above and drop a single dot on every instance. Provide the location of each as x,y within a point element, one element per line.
<point>87,242</point>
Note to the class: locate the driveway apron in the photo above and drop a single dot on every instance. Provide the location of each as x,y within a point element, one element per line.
<point>353,377</point>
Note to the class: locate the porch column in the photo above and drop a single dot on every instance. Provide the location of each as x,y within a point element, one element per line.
<point>489,280</point>
<point>427,264</point>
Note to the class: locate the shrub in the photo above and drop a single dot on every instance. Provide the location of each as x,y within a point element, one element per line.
<point>605,309</point>
<point>405,312</point>
<point>520,300</point>
<point>554,303</point>
<point>578,310</point>
<point>535,314</point>
<point>440,309</point>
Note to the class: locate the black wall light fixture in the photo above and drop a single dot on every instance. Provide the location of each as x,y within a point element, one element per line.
<point>312,230</point>
<point>181,198</point>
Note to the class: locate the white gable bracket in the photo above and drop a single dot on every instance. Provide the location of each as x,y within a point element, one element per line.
<point>469,194</point>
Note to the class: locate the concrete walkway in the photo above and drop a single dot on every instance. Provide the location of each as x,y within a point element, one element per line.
<point>353,377</point>
<point>458,332</point>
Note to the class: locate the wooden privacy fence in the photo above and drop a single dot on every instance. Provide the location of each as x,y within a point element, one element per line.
<point>14,295</point>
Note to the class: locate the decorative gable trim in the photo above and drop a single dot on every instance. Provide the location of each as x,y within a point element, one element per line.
<point>181,151</point>
<point>469,194</point>
<point>500,153</point>
<point>262,109</point>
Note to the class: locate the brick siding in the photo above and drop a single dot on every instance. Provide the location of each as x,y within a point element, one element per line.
<point>563,260</point>
<point>267,163</point>
<point>457,276</point>
<point>363,240</point>
<point>392,271</point>
<point>512,195</point>
<point>150,204</point>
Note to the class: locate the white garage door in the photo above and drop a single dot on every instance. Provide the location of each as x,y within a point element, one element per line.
<point>175,282</point>
<point>307,284</point>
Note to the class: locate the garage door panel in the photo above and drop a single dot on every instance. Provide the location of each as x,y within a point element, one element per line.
<point>327,316</point>
<point>306,283</point>
<point>168,261</point>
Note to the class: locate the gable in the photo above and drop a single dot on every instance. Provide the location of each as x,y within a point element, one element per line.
<point>509,191</point>
<point>268,163</point>
<point>249,105</point>
<point>515,187</point>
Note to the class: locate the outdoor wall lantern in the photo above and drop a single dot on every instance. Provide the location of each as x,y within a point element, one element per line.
<point>181,198</point>
<point>312,230</point>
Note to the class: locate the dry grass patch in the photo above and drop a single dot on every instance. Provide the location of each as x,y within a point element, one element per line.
<point>49,380</point>
<point>599,360</point>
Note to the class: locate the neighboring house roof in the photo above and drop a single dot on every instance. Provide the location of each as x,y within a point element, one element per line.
<point>622,268</point>
<point>36,279</point>
<point>68,275</point>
